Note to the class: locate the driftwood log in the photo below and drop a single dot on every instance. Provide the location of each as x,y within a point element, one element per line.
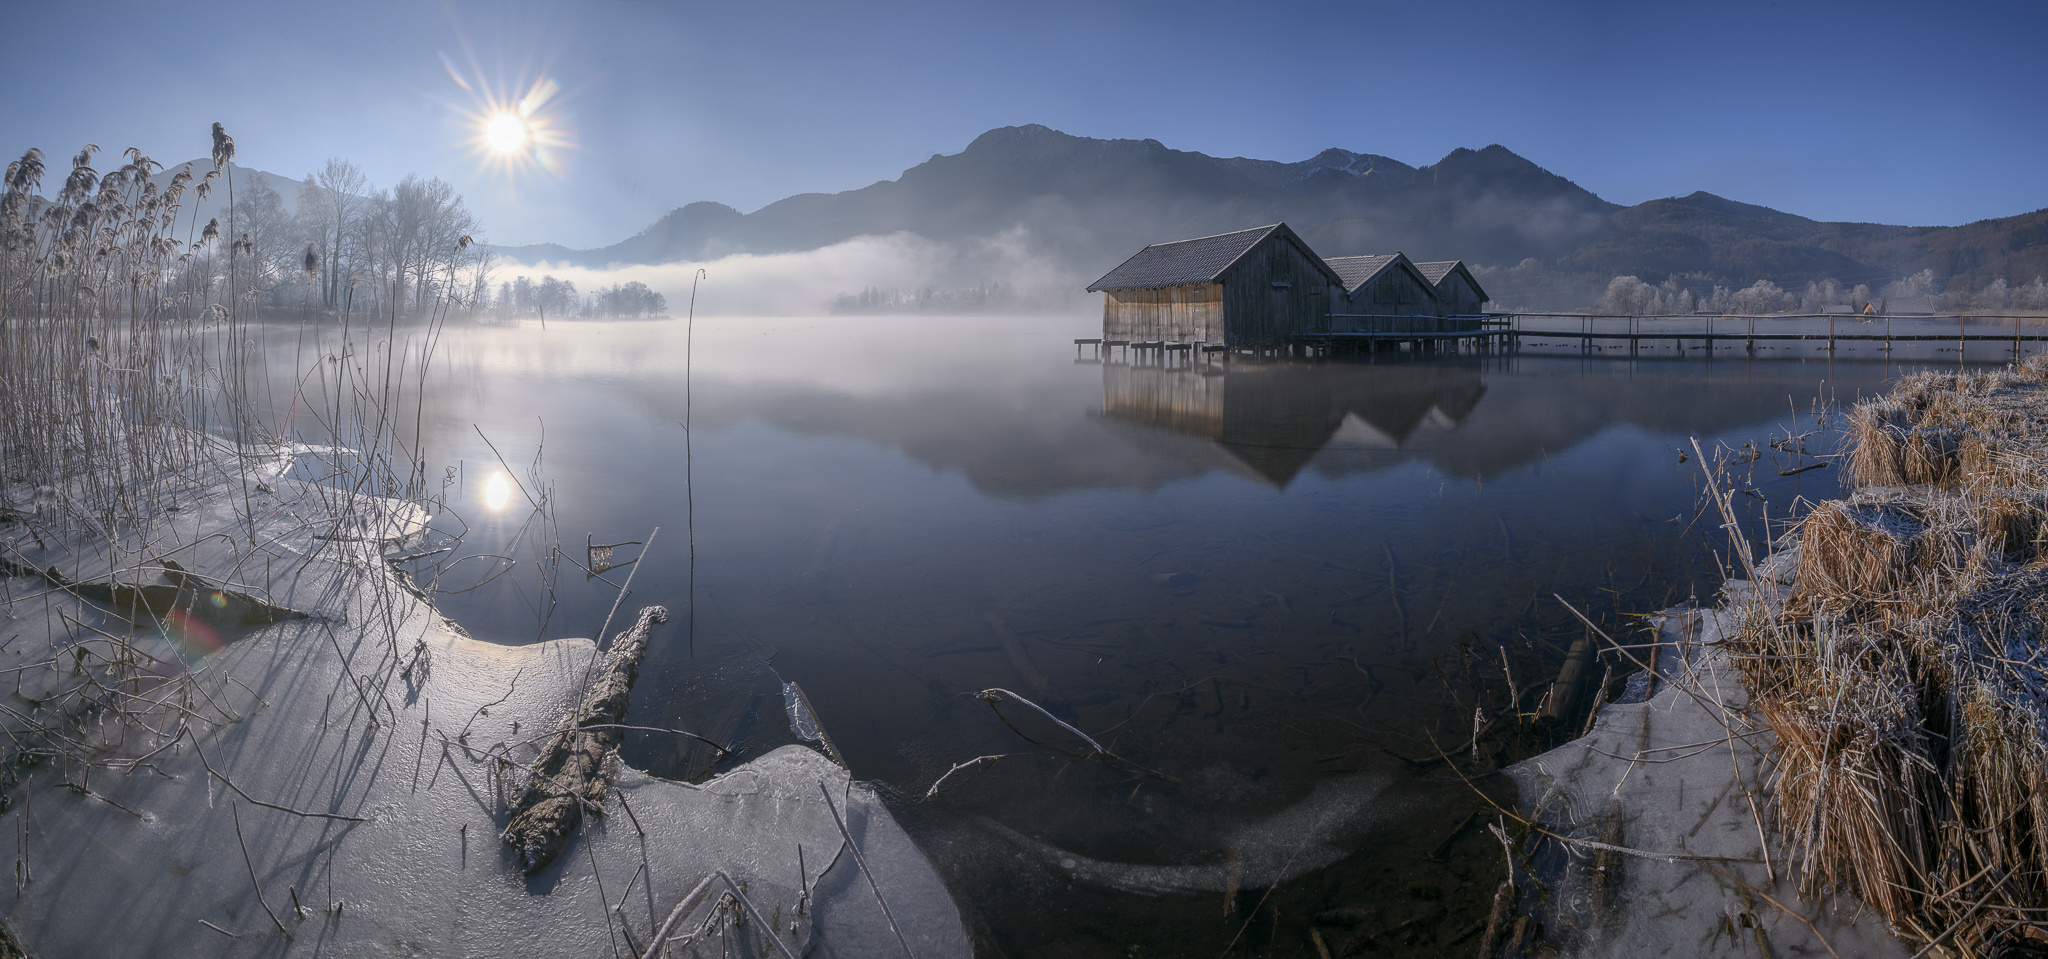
<point>571,769</point>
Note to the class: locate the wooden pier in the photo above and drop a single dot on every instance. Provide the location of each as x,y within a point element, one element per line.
<point>1510,330</point>
<point>1355,334</point>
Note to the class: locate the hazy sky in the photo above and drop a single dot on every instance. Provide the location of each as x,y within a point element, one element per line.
<point>1915,113</point>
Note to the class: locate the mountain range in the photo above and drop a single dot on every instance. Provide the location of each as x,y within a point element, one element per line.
<point>1085,204</point>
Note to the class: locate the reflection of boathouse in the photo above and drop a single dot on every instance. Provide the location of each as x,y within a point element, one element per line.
<point>1275,419</point>
<point>1265,288</point>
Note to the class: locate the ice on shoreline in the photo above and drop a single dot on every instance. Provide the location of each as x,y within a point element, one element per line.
<point>1674,786</point>
<point>390,736</point>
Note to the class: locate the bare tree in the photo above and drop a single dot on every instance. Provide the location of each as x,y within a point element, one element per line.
<point>330,204</point>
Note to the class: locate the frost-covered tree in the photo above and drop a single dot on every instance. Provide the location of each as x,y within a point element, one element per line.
<point>330,213</point>
<point>631,299</point>
<point>1629,295</point>
<point>1760,297</point>
<point>1996,296</point>
<point>2033,296</point>
<point>1819,296</point>
<point>1918,285</point>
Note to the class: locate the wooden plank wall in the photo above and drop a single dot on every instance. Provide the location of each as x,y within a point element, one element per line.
<point>1261,314</point>
<point>1456,297</point>
<point>1396,293</point>
<point>1184,314</point>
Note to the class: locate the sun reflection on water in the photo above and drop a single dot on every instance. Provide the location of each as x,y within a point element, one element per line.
<point>497,492</point>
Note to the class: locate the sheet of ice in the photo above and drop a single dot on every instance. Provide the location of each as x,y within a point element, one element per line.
<point>1690,798</point>
<point>382,728</point>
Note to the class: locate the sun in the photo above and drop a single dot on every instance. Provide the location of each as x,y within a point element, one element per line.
<point>506,133</point>
<point>515,134</point>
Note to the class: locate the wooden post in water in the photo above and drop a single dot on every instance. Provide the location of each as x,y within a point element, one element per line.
<point>1558,704</point>
<point>1831,332</point>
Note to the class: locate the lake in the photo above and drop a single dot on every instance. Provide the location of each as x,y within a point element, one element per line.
<point>1275,594</point>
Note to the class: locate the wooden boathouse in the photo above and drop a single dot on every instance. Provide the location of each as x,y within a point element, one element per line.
<point>1377,287</point>
<point>1457,293</point>
<point>1252,288</point>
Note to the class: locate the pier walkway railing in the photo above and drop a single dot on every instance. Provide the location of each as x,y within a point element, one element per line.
<point>1353,332</point>
<point>1588,330</point>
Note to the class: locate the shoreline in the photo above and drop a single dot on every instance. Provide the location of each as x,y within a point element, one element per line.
<point>1874,694</point>
<point>335,784</point>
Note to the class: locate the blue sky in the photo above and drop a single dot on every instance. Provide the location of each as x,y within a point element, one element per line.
<point>1898,113</point>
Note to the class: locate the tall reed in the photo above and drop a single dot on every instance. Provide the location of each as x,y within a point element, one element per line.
<point>134,380</point>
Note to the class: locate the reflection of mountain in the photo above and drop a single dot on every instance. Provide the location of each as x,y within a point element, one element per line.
<point>1275,419</point>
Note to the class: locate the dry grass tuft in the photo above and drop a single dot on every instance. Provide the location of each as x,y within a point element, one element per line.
<point>1905,675</point>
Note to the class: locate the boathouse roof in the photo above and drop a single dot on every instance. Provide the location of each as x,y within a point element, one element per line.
<point>1435,270</point>
<point>1199,260</point>
<point>1358,271</point>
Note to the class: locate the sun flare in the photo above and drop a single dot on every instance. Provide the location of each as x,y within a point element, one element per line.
<point>506,133</point>
<point>516,134</point>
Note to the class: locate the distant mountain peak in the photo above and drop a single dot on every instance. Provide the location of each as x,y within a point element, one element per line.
<point>1497,171</point>
<point>1720,204</point>
<point>1029,134</point>
<point>1356,164</point>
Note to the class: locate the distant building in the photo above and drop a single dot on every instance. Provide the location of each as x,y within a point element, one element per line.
<point>1249,288</point>
<point>1908,306</point>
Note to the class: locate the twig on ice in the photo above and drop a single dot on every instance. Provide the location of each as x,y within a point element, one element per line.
<point>246,861</point>
<point>696,895</point>
<point>862,861</point>
<point>956,768</point>
<point>267,805</point>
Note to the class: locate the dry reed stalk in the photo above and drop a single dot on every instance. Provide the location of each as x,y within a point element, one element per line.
<point>133,377</point>
<point>1904,676</point>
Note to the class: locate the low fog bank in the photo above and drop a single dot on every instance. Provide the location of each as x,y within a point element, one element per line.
<point>1016,273</point>
<point>896,273</point>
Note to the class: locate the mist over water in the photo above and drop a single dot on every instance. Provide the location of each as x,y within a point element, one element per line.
<point>807,283</point>
<point>1275,591</point>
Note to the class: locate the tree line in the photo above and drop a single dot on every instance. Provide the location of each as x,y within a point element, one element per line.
<point>522,296</point>
<point>1920,292</point>
<point>349,247</point>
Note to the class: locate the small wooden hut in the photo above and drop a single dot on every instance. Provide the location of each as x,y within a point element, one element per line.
<point>1379,286</point>
<point>1252,288</point>
<point>1457,293</point>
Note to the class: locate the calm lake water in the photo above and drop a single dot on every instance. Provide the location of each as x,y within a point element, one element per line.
<point>1277,592</point>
